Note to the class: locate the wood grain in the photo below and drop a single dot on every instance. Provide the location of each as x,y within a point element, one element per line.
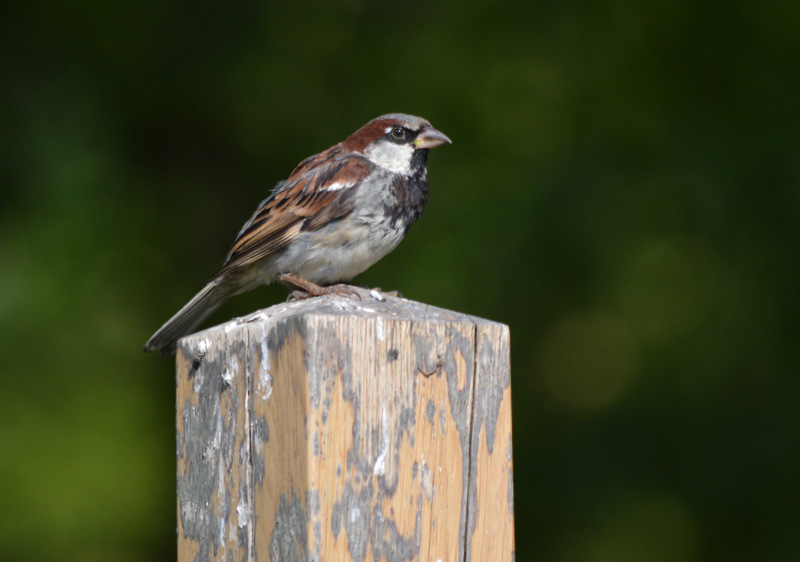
<point>344,429</point>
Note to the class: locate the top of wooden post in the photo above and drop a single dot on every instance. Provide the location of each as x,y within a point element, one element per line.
<point>368,304</point>
<point>346,428</point>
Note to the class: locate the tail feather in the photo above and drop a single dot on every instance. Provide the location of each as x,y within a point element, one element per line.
<point>187,318</point>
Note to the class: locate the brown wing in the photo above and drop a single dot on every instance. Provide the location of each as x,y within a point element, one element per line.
<point>319,191</point>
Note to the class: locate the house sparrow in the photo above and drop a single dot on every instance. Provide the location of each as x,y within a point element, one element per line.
<point>338,213</point>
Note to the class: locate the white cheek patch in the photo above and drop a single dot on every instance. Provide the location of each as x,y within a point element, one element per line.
<point>394,157</point>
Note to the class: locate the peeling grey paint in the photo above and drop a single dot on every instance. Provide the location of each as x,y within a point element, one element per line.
<point>283,330</point>
<point>326,368</point>
<point>259,436</point>
<point>355,509</point>
<point>426,482</point>
<point>264,378</point>
<point>404,427</point>
<point>430,410</point>
<point>494,378</point>
<point>208,445</point>
<point>461,411</point>
<point>289,541</point>
<point>387,542</point>
<point>336,519</point>
<point>428,359</point>
<point>313,510</point>
<point>326,407</point>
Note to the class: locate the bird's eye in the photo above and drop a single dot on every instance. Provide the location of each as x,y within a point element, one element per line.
<point>399,133</point>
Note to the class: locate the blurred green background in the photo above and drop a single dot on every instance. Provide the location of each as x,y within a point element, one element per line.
<point>623,190</point>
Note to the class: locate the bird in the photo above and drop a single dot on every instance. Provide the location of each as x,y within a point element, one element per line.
<point>338,213</point>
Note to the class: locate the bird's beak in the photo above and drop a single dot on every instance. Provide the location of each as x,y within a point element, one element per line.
<point>431,138</point>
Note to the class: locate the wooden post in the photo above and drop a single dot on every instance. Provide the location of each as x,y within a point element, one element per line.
<point>342,429</point>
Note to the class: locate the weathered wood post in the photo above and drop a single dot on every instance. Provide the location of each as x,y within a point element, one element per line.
<point>342,429</point>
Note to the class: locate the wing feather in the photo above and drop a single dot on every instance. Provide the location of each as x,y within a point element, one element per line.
<point>320,190</point>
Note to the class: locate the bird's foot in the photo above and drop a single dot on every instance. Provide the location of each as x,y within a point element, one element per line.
<point>305,289</point>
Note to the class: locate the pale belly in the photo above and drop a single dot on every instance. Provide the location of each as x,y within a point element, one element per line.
<point>340,251</point>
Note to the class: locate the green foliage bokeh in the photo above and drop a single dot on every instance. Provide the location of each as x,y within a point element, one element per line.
<point>623,190</point>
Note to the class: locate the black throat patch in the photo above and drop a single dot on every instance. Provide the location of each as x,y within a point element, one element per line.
<point>411,192</point>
